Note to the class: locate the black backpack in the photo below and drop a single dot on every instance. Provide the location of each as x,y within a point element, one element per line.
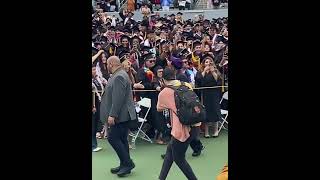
<point>189,108</point>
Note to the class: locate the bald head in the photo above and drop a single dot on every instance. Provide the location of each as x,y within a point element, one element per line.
<point>114,60</point>
<point>113,63</point>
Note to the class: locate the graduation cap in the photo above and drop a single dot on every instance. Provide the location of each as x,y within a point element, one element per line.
<point>135,29</point>
<point>206,21</point>
<point>185,34</point>
<point>190,38</point>
<point>189,57</point>
<point>145,48</point>
<point>164,29</point>
<point>196,43</point>
<point>197,38</point>
<point>207,56</point>
<point>126,30</point>
<point>182,42</point>
<point>96,43</point>
<point>219,46</point>
<point>183,53</point>
<point>144,23</point>
<point>172,15</point>
<point>95,36</point>
<point>162,19</point>
<point>103,39</point>
<point>165,42</point>
<point>123,54</point>
<point>94,50</point>
<point>220,38</point>
<point>189,23</point>
<point>197,24</point>
<point>124,37</point>
<point>180,13</point>
<point>135,37</point>
<point>112,28</point>
<point>146,57</point>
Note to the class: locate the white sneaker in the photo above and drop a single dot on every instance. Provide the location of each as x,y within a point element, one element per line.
<point>97,149</point>
<point>215,134</point>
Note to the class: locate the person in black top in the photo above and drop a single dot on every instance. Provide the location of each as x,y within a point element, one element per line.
<point>209,76</point>
<point>98,84</point>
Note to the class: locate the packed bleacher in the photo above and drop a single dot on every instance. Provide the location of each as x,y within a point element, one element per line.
<point>156,5</point>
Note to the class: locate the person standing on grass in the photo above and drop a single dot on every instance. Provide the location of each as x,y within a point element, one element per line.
<point>117,108</point>
<point>98,84</point>
<point>181,135</point>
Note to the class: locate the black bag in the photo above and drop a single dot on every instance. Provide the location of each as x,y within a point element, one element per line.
<point>189,108</point>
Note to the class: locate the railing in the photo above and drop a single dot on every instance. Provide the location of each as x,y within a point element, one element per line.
<point>200,88</point>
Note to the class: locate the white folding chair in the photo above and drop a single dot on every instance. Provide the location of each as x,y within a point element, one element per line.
<point>224,112</point>
<point>145,102</point>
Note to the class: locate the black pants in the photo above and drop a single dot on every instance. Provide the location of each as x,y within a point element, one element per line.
<point>117,137</point>
<point>176,152</point>
<point>195,143</point>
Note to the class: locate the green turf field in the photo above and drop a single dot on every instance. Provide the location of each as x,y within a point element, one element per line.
<point>148,162</point>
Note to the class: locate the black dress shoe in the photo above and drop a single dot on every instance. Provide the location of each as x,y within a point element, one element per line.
<point>115,170</point>
<point>163,156</point>
<point>126,170</point>
<point>197,153</point>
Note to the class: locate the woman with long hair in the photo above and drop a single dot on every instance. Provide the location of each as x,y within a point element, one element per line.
<point>101,66</point>
<point>209,76</point>
<point>160,119</point>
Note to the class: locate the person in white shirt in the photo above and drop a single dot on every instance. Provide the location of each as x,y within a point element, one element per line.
<point>182,4</point>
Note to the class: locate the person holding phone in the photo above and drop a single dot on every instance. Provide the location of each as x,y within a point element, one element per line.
<point>209,76</point>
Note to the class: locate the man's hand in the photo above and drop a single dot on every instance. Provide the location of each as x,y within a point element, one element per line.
<point>111,121</point>
<point>94,110</point>
<point>138,85</point>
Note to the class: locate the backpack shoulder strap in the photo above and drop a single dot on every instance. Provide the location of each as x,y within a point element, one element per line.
<point>172,87</point>
<point>184,84</point>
